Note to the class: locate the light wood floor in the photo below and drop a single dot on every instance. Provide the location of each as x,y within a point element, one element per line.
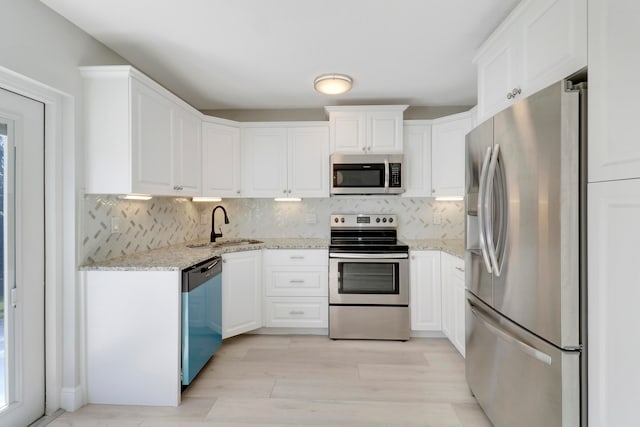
<point>276,380</point>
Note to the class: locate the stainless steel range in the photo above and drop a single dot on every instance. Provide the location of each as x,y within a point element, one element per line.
<point>368,278</point>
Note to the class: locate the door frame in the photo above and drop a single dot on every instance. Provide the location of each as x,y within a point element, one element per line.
<point>62,335</point>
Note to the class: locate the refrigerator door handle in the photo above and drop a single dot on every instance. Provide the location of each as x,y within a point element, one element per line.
<point>496,330</point>
<point>491,247</point>
<point>481,207</point>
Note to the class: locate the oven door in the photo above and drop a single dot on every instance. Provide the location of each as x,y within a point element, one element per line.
<point>373,279</point>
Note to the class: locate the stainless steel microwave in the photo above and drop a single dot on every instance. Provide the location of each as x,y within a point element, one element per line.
<point>366,174</point>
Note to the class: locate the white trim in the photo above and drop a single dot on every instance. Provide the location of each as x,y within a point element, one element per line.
<point>60,215</point>
<point>71,399</point>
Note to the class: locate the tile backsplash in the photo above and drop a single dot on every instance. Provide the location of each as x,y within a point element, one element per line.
<point>164,221</point>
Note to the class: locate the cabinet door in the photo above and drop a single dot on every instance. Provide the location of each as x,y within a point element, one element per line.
<point>554,42</point>
<point>308,162</point>
<point>425,291</point>
<point>152,136</point>
<point>384,132</point>
<point>614,64</point>
<point>348,131</point>
<point>220,160</point>
<point>613,318</point>
<point>241,293</point>
<point>187,159</point>
<point>499,74</point>
<point>458,304</point>
<point>265,162</point>
<point>417,160</point>
<point>447,149</point>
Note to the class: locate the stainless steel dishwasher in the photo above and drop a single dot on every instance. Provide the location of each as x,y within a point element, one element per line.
<point>201,316</point>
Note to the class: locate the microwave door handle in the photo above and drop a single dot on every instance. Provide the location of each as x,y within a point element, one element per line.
<point>386,174</point>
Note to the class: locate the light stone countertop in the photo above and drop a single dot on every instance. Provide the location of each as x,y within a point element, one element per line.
<point>453,247</point>
<point>179,256</point>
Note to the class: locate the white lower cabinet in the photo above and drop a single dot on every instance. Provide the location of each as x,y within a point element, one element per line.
<point>132,332</point>
<point>453,300</point>
<point>296,288</point>
<point>425,299</point>
<point>241,292</point>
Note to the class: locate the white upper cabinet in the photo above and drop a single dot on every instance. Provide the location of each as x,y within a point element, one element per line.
<point>286,161</point>
<point>139,137</point>
<point>187,152</point>
<point>540,42</point>
<point>417,159</point>
<point>366,129</point>
<point>614,65</point>
<point>221,162</point>
<point>448,155</point>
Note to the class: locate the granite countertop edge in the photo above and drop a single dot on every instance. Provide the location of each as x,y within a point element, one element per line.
<point>179,256</point>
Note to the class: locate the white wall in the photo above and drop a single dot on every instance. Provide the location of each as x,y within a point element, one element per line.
<point>40,45</point>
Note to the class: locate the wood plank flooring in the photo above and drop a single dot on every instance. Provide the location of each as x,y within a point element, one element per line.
<point>295,380</point>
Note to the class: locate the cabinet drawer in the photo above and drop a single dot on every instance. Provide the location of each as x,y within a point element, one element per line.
<point>296,257</point>
<point>296,281</point>
<point>296,312</point>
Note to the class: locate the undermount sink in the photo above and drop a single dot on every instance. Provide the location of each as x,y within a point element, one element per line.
<point>224,243</point>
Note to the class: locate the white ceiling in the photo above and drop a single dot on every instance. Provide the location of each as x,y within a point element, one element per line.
<point>254,54</point>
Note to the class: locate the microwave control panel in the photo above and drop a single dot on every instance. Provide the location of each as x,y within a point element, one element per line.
<point>395,179</point>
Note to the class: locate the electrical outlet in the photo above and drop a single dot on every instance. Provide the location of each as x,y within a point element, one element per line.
<point>116,224</point>
<point>437,218</point>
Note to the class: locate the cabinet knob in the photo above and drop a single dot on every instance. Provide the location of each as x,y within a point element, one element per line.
<point>289,191</point>
<point>237,191</point>
<point>284,191</point>
<point>364,148</point>
<point>515,92</point>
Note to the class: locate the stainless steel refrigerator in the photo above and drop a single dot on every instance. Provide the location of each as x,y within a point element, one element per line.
<point>525,260</point>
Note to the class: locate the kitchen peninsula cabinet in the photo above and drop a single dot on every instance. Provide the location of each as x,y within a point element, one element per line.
<point>132,333</point>
<point>285,160</point>
<point>296,288</point>
<point>448,136</point>
<point>453,300</point>
<point>366,129</point>
<point>221,161</point>
<point>241,292</point>
<point>426,300</point>
<point>139,137</point>
<point>539,43</point>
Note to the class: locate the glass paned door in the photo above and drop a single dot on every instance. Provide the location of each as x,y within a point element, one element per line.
<point>21,259</point>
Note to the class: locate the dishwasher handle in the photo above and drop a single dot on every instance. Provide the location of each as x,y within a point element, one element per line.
<point>200,273</point>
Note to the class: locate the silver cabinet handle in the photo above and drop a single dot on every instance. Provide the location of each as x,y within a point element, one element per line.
<point>481,208</point>
<point>525,348</point>
<point>460,269</point>
<point>296,257</point>
<point>296,281</point>
<point>515,92</point>
<point>294,312</point>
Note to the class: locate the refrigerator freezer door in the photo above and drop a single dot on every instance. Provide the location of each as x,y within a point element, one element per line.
<point>538,287</point>
<point>479,143</point>
<point>519,379</point>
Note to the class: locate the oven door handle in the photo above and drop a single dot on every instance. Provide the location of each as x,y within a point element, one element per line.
<point>368,256</point>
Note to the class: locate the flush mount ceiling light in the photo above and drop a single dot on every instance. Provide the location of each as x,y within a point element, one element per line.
<point>332,84</point>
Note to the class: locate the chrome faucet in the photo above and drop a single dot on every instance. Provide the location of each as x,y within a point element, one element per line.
<point>214,235</point>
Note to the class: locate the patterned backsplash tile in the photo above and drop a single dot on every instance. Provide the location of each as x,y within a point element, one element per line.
<point>164,221</point>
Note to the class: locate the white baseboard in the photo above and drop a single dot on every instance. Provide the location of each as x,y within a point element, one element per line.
<point>291,331</point>
<point>71,399</point>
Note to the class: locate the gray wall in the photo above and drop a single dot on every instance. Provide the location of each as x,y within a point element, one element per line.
<point>37,43</point>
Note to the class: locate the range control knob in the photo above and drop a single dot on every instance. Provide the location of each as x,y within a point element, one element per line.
<point>336,219</point>
<point>342,219</point>
<point>384,219</point>
<point>390,220</point>
<point>377,219</point>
